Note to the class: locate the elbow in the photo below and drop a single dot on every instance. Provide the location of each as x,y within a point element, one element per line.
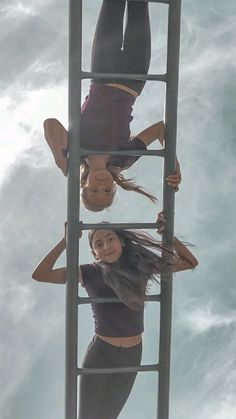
<point>48,121</point>
<point>184,265</point>
<point>36,276</point>
<point>194,263</point>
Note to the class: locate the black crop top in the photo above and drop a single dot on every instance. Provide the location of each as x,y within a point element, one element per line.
<point>110,319</point>
<point>105,123</point>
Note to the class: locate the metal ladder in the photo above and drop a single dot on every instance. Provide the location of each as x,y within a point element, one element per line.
<point>75,226</point>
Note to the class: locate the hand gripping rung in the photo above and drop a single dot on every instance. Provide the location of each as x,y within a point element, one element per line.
<point>140,368</point>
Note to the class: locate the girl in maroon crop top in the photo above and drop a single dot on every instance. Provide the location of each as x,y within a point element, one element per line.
<point>124,264</point>
<point>107,110</point>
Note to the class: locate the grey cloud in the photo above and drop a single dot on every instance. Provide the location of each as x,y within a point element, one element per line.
<point>34,48</point>
<point>210,375</point>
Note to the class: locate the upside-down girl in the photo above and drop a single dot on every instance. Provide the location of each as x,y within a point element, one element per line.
<point>106,113</point>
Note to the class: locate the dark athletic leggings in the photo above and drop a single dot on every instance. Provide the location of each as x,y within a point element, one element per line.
<point>113,52</point>
<point>103,396</point>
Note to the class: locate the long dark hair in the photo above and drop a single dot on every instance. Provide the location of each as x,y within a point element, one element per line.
<point>128,276</point>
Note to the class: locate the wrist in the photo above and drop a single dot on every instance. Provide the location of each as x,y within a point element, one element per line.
<point>62,243</point>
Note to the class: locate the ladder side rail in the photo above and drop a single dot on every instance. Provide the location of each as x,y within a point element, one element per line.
<point>168,203</point>
<point>73,201</point>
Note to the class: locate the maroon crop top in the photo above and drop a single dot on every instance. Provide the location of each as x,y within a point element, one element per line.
<point>105,123</point>
<point>110,319</point>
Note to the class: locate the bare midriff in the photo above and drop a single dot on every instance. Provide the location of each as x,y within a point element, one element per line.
<point>122,87</point>
<point>123,342</point>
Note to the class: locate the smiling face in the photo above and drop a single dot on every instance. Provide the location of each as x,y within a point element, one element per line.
<point>106,246</point>
<point>99,190</point>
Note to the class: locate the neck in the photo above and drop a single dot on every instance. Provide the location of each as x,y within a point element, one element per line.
<point>97,162</point>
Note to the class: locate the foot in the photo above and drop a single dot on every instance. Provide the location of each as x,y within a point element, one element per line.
<point>57,139</point>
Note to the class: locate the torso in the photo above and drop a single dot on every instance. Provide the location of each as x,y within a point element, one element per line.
<point>123,342</point>
<point>115,323</point>
<point>106,115</point>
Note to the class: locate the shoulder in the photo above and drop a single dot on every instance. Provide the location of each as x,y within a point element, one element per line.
<point>90,272</point>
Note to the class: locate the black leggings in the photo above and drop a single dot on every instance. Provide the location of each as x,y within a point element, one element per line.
<point>103,396</point>
<point>114,52</point>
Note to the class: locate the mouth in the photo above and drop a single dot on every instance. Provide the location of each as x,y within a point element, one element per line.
<point>110,253</point>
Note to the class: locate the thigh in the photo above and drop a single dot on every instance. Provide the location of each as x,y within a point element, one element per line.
<point>137,33</point>
<point>103,396</point>
<point>108,37</point>
<point>137,38</point>
<point>91,387</point>
<point>121,384</point>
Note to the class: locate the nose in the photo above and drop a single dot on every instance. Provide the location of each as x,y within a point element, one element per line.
<point>106,245</point>
<point>101,186</point>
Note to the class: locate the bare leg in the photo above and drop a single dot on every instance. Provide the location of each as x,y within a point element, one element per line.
<point>57,139</point>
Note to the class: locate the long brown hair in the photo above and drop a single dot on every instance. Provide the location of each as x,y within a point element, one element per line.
<point>119,179</point>
<point>128,276</point>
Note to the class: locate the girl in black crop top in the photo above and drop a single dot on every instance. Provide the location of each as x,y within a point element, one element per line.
<point>107,110</point>
<point>124,264</point>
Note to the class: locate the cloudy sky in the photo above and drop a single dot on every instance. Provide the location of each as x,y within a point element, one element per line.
<point>33,80</point>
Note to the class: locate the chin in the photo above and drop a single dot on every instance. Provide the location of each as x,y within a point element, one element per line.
<point>114,259</point>
<point>111,260</point>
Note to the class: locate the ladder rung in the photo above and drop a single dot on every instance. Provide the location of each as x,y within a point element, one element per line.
<point>155,1</point>
<point>140,368</point>
<point>110,226</point>
<point>85,152</point>
<point>88,300</point>
<point>123,76</point>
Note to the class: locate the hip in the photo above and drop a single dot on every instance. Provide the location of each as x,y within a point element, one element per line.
<point>101,354</point>
<point>121,342</point>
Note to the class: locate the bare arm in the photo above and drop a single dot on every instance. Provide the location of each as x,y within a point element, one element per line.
<point>44,272</point>
<point>57,139</point>
<point>156,132</point>
<point>186,259</point>
<point>152,133</point>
